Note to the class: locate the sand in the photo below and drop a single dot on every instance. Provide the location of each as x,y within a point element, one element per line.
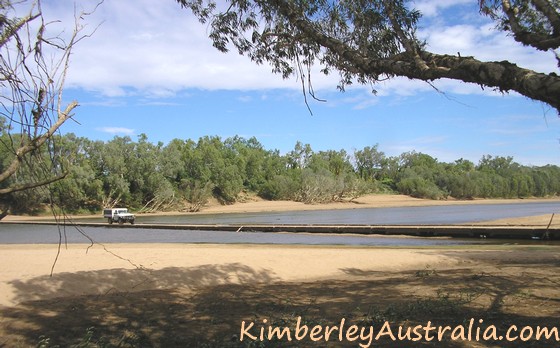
<point>134,267</point>
<point>187,294</point>
<point>31,263</point>
<point>255,205</point>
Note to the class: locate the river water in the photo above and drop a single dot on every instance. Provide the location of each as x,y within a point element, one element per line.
<point>26,234</point>
<point>432,215</point>
<point>41,234</point>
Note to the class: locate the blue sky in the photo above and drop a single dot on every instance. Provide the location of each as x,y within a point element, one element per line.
<point>150,69</point>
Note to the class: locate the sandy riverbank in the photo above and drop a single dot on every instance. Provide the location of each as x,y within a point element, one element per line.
<point>178,295</point>
<point>191,295</point>
<point>136,267</point>
<point>255,205</point>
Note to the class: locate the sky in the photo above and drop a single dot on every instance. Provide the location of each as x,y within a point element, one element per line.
<point>151,69</point>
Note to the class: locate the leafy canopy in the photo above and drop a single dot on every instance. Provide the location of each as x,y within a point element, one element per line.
<point>366,41</point>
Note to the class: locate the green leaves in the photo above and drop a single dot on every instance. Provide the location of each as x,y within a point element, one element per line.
<point>184,175</point>
<point>533,23</point>
<point>367,41</point>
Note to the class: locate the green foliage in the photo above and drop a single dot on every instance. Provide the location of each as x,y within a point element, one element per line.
<point>185,174</point>
<point>280,187</point>
<point>318,187</point>
<point>196,193</point>
<point>417,186</point>
<point>369,162</point>
<point>367,42</point>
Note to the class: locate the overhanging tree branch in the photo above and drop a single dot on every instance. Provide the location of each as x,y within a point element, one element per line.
<point>13,29</point>
<point>534,23</point>
<point>32,185</point>
<point>33,70</point>
<point>366,41</point>
<point>504,76</point>
<point>34,144</point>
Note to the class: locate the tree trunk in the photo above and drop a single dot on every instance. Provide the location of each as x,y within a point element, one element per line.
<point>503,76</point>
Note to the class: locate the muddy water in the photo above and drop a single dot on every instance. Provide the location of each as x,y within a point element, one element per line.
<point>433,215</point>
<point>14,234</point>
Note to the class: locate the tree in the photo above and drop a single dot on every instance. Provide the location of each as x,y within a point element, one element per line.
<point>499,165</point>
<point>369,162</point>
<point>300,156</point>
<point>80,190</point>
<point>110,164</point>
<point>33,67</point>
<point>250,156</point>
<point>367,41</point>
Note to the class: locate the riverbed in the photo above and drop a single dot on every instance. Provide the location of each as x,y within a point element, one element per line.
<point>430,215</point>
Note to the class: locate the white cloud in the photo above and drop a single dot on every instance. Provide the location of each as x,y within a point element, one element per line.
<point>485,44</point>
<point>517,126</point>
<point>156,51</point>
<point>116,130</point>
<point>245,99</point>
<point>432,8</point>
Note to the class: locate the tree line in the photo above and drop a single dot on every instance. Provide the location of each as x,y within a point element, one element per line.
<point>379,43</point>
<point>185,174</point>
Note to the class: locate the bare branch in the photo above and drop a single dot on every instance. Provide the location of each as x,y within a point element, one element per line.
<point>28,186</point>
<point>13,29</point>
<point>33,71</point>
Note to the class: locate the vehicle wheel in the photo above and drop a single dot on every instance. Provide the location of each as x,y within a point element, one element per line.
<point>121,221</point>
<point>110,221</point>
<point>132,222</point>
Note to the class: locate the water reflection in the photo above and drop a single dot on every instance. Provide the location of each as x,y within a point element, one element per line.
<point>35,234</point>
<point>434,215</point>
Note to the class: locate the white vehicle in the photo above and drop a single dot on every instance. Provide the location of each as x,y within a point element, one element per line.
<point>120,215</point>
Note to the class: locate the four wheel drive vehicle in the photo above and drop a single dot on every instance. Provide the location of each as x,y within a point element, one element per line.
<point>120,215</point>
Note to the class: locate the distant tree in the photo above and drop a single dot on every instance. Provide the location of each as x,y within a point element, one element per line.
<point>336,162</point>
<point>300,156</point>
<point>81,190</point>
<point>33,67</point>
<point>369,41</point>
<point>497,164</point>
<point>171,161</point>
<point>464,166</point>
<point>369,162</point>
<point>110,164</point>
<point>185,174</point>
<point>413,184</point>
<point>148,183</point>
<point>219,166</point>
<point>250,160</point>
<point>417,159</point>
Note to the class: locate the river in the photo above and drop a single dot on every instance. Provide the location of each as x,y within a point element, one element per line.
<point>433,215</point>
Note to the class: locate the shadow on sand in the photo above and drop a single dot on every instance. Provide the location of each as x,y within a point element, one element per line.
<point>204,306</point>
